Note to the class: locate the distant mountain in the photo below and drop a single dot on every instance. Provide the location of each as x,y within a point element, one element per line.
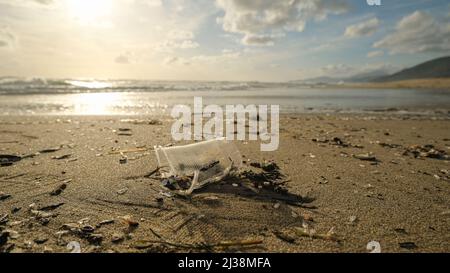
<point>437,68</point>
<point>318,80</point>
<point>362,77</point>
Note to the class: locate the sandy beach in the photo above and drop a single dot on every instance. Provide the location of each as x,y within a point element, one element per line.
<point>358,175</point>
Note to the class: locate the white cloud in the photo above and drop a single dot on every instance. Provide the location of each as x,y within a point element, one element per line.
<point>152,3</point>
<point>376,53</point>
<point>225,56</point>
<point>177,39</point>
<point>335,70</point>
<point>128,57</point>
<point>172,60</point>
<point>29,3</point>
<point>417,32</point>
<point>366,28</point>
<point>180,35</point>
<point>7,38</point>
<point>259,20</point>
<point>264,40</point>
<point>149,3</point>
<point>122,59</point>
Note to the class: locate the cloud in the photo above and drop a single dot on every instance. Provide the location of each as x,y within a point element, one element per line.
<point>180,35</point>
<point>152,3</point>
<point>376,53</point>
<point>172,60</point>
<point>366,28</point>
<point>336,70</point>
<point>122,59</point>
<point>415,33</point>
<point>258,20</point>
<point>128,57</point>
<point>264,40</point>
<point>7,38</point>
<point>178,39</point>
<point>29,3</point>
<point>225,56</point>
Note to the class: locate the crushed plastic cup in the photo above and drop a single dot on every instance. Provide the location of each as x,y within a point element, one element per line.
<point>203,162</point>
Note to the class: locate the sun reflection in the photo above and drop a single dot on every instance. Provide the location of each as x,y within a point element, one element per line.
<point>96,103</point>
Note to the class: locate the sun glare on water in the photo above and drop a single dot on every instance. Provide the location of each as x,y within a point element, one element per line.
<point>89,11</point>
<point>96,103</point>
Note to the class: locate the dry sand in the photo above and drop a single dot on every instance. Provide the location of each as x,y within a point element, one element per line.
<point>400,201</point>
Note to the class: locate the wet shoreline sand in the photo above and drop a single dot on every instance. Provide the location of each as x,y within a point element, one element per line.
<point>76,189</point>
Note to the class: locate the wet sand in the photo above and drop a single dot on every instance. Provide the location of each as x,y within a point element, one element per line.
<point>77,188</point>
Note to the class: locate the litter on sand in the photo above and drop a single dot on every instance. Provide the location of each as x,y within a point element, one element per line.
<point>190,167</point>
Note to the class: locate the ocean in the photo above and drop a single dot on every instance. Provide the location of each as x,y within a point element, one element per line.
<point>39,96</point>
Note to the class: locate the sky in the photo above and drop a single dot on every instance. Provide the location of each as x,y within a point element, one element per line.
<point>220,40</point>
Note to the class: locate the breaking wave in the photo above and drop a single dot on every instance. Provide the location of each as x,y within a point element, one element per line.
<point>11,85</point>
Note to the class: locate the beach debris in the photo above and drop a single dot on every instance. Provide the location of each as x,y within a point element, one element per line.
<point>123,160</point>
<point>389,145</point>
<point>50,150</point>
<point>284,236</point>
<point>353,219</point>
<point>270,178</point>
<point>87,229</point>
<point>336,141</point>
<point>52,206</point>
<point>401,231</point>
<point>15,209</point>
<point>309,232</point>
<point>74,246</point>
<point>59,189</point>
<point>40,240</point>
<point>61,157</point>
<point>83,231</point>
<point>105,222</point>
<point>124,129</point>
<point>48,249</point>
<point>408,245</point>
<point>374,247</point>
<point>117,237</point>
<point>8,160</point>
<point>323,180</point>
<point>193,166</point>
<point>4,219</point>
<point>426,151</point>
<point>41,216</point>
<point>204,246</point>
<point>142,121</point>
<point>95,238</point>
<point>131,150</point>
<point>4,237</point>
<point>122,191</point>
<point>165,194</point>
<point>365,157</point>
<point>128,219</point>
<point>4,196</point>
